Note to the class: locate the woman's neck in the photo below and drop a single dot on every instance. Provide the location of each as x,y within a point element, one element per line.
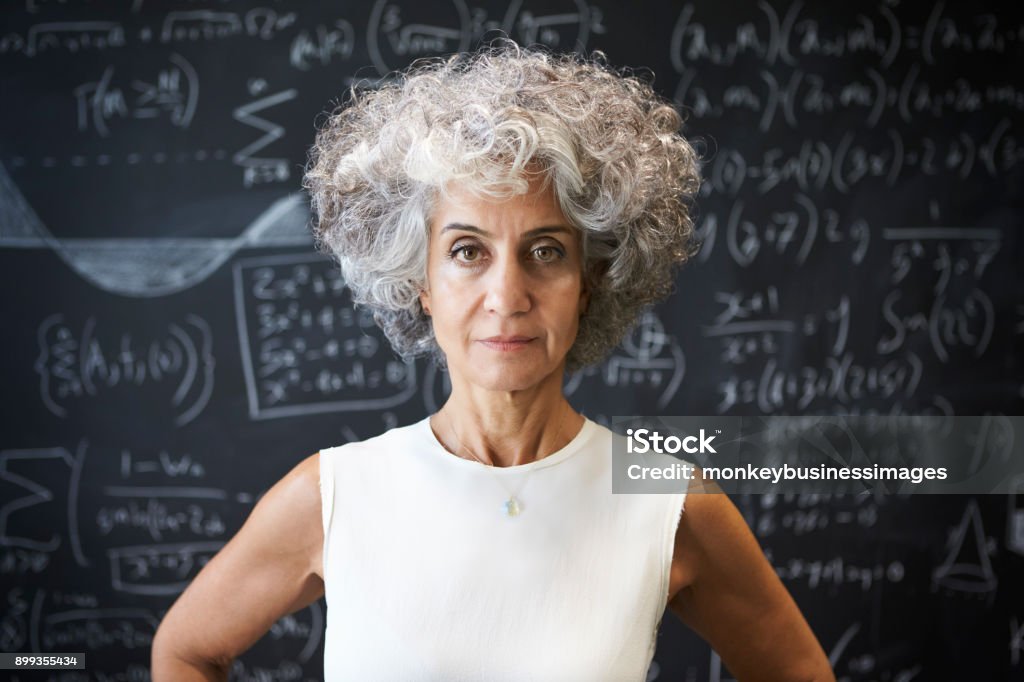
<point>506,437</point>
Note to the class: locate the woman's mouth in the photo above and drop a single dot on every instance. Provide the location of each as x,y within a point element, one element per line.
<point>508,343</point>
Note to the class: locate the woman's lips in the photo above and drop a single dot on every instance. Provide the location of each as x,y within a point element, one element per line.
<point>507,345</point>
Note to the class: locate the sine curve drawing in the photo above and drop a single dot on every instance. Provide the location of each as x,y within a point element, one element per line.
<point>149,267</point>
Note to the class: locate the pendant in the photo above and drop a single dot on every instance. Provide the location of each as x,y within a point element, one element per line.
<point>512,507</point>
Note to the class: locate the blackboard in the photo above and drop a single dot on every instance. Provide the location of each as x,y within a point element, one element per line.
<point>173,344</point>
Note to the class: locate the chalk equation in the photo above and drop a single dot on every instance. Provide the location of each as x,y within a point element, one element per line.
<point>304,349</point>
<point>87,363</point>
<point>398,32</point>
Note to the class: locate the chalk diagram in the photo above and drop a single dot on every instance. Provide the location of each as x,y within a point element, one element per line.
<point>648,358</point>
<point>148,267</point>
<point>966,567</point>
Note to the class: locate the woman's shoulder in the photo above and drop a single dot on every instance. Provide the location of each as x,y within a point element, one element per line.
<point>712,532</point>
<point>283,522</point>
<point>292,490</point>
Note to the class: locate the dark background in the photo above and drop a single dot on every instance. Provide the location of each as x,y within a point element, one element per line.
<point>172,344</point>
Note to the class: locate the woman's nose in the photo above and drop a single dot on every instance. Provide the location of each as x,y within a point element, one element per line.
<point>508,287</point>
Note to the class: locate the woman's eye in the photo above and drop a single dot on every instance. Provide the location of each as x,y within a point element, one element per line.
<point>548,253</point>
<point>463,250</point>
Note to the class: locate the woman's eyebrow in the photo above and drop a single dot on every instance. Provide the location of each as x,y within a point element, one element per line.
<point>546,229</point>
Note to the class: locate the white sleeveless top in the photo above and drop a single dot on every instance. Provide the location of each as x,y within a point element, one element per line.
<point>427,578</point>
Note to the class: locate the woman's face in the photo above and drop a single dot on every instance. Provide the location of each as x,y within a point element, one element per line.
<point>504,269</point>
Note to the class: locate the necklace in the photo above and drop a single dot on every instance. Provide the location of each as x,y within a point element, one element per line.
<point>512,505</point>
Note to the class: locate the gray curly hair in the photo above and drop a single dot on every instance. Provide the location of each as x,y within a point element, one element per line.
<point>622,174</point>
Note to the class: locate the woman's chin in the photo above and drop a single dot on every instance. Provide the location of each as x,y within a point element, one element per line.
<point>509,381</point>
<point>507,375</point>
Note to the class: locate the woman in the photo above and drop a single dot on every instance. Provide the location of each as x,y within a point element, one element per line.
<point>509,213</point>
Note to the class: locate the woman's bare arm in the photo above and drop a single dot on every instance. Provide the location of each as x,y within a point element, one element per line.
<point>729,594</point>
<point>269,569</point>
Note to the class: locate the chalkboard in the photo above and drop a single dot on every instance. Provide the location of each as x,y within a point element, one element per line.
<point>173,344</point>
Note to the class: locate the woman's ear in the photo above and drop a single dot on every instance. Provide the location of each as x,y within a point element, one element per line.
<point>425,301</point>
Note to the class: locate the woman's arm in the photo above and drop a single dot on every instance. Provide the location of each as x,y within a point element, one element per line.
<point>270,568</point>
<point>729,594</point>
